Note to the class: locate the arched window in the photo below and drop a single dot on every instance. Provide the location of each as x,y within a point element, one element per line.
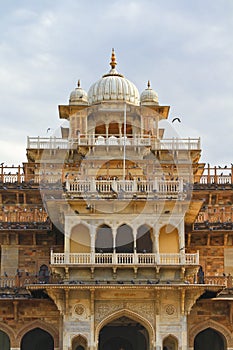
<point>124,239</point>
<point>144,239</point>
<point>80,241</point>
<point>168,239</point>
<point>104,239</point>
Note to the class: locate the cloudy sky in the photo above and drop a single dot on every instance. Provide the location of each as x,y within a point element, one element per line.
<point>184,47</point>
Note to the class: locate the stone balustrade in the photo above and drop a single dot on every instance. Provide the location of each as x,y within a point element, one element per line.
<point>161,188</point>
<point>118,140</point>
<point>128,259</point>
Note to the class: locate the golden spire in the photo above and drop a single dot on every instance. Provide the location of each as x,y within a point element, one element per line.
<point>148,84</point>
<point>78,83</point>
<point>113,62</point>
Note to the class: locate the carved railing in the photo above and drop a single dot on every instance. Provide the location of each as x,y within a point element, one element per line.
<point>161,188</point>
<point>118,140</point>
<point>129,259</point>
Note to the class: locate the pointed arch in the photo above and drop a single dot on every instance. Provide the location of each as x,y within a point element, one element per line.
<point>9,331</point>
<point>201,326</point>
<point>79,341</point>
<point>5,343</point>
<point>130,314</point>
<point>42,325</point>
<point>170,342</point>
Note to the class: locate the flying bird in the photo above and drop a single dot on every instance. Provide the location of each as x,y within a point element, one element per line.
<point>174,119</point>
<point>48,129</point>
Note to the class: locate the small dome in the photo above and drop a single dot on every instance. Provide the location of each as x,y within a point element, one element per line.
<point>113,86</point>
<point>78,96</point>
<point>149,96</point>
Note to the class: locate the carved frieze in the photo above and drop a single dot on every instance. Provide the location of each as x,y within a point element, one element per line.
<point>104,309</point>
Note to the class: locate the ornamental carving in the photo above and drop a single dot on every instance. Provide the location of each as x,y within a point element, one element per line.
<point>80,312</point>
<point>79,309</point>
<point>170,309</point>
<point>104,309</point>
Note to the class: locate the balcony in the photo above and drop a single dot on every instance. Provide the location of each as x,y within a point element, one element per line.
<point>111,141</point>
<point>157,188</point>
<point>123,259</point>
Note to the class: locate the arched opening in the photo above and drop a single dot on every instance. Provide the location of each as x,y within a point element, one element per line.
<point>168,239</point>
<point>124,239</point>
<point>100,129</point>
<point>80,241</point>
<point>104,239</point>
<point>113,129</point>
<point>209,339</point>
<point>123,334</point>
<point>170,343</point>
<point>79,343</point>
<point>144,239</point>
<point>37,339</point>
<point>44,273</point>
<point>4,341</point>
<point>129,131</point>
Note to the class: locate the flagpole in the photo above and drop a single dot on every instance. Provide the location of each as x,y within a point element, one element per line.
<point>124,145</point>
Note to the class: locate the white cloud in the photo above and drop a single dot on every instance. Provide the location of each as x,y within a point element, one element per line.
<point>184,48</point>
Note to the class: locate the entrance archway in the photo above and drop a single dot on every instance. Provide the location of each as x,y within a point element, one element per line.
<point>123,334</point>
<point>209,339</point>
<point>4,341</point>
<point>37,339</point>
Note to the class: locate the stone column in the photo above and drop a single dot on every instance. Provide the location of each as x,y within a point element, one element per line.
<point>92,335</point>
<point>184,333</point>
<point>114,232</point>
<point>158,339</point>
<point>92,234</point>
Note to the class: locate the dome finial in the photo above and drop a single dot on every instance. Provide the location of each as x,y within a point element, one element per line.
<point>148,84</point>
<point>78,83</point>
<point>113,62</point>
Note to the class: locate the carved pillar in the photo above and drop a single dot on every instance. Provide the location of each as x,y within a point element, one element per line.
<point>135,239</point>
<point>114,233</point>
<point>184,333</point>
<point>181,236</point>
<point>120,128</point>
<point>106,129</point>
<point>93,341</point>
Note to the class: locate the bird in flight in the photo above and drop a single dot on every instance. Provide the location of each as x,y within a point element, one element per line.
<point>48,129</point>
<point>174,119</point>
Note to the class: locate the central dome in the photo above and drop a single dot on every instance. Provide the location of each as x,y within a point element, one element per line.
<point>113,86</point>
